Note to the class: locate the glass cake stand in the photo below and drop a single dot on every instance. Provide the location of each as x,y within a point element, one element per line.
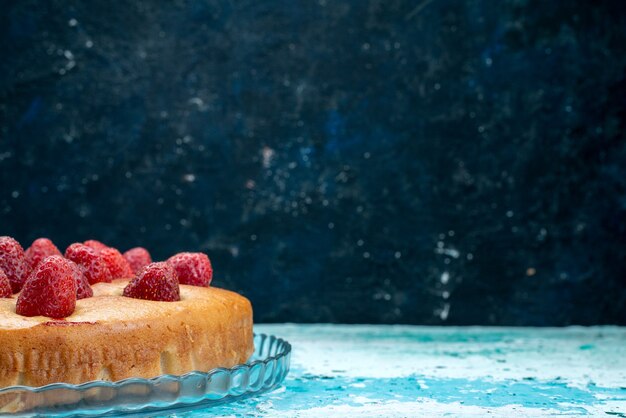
<point>265,370</point>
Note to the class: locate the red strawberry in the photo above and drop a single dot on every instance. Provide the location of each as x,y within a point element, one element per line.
<point>192,268</point>
<point>137,258</point>
<point>13,262</point>
<point>49,291</point>
<point>83,290</point>
<point>157,281</point>
<point>117,264</point>
<point>94,267</point>
<point>95,244</point>
<point>5,285</point>
<point>40,249</point>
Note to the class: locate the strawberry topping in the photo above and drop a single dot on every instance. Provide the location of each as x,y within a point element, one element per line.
<point>157,281</point>
<point>13,262</point>
<point>5,285</point>
<point>137,258</point>
<point>40,249</point>
<point>95,244</point>
<point>117,264</point>
<point>50,290</point>
<point>94,267</point>
<point>83,290</point>
<point>192,268</point>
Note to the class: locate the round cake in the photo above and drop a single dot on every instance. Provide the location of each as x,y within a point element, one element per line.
<point>112,337</point>
<point>94,313</point>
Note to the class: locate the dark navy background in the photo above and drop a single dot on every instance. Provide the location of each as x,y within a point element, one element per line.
<point>436,162</point>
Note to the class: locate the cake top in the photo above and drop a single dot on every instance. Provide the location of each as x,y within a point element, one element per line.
<point>41,282</point>
<point>108,305</point>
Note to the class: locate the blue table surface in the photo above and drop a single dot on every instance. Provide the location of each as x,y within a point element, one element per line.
<point>404,371</point>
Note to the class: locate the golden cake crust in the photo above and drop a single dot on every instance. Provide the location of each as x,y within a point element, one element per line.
<point>112,337</point>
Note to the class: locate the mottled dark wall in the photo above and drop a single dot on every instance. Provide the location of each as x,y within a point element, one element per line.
<point>446,161</point>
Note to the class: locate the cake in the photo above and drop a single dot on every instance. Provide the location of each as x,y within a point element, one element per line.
<point>112,337</point>
<point>118,332</point>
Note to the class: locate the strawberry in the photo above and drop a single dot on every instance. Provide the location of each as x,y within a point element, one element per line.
<point>117,264</point>
<point>40,249</point>
<point>5,285</point>
<point>192,268</point>
<point>94,267</point>
<point>137,258</point>
<point>157,281</point>
<point>83,290</point>
<point>13,262</point>
<point>95,244</point>
<point>50,290</point>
